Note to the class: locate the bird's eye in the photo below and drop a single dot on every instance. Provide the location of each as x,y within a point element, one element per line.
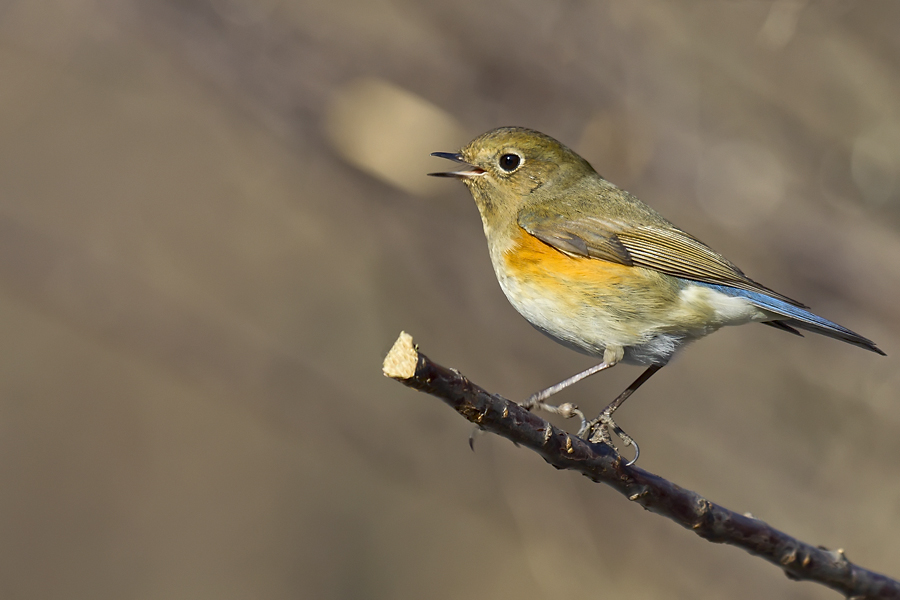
<point>509,162</point>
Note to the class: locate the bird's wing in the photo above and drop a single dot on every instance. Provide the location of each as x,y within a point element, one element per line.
<point>663,248</point>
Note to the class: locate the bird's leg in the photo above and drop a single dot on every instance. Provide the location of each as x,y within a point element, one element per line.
<point>536,400</point>
<point>567,409</point>
<point>599,427</point>
<point>612,354</point>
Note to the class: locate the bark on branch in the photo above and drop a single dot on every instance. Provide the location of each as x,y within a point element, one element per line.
<point>600,463</point>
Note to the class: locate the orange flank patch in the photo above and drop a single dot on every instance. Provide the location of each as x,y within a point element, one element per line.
<point>534,262</point>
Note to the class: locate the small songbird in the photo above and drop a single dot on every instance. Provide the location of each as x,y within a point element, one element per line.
<point>601,272</point>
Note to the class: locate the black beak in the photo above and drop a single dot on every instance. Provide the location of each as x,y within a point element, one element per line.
<point>467,172</point>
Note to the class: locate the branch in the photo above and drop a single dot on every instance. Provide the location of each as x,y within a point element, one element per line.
<point>600,463</point>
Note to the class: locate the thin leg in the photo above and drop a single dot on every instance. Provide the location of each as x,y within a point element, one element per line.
<point>537,400</point>
<point>566,409</point>
<point>615,404</point>
<point>599,427</point>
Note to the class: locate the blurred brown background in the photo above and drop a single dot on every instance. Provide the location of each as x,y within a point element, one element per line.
<point>214,222</point>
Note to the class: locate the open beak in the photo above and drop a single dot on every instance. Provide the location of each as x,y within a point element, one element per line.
<point>467,172</point>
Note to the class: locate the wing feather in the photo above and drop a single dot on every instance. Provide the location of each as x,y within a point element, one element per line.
<point>664,248</point>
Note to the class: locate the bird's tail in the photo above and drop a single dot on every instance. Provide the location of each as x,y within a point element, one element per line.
<point>800,318</point>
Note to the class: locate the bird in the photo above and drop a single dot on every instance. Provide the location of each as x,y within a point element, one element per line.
<point>601,272</point>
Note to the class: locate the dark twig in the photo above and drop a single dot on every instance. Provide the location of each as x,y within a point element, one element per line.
<point>601,464</point>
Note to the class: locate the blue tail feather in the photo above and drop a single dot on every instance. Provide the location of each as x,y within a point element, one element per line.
<point>795,316</point>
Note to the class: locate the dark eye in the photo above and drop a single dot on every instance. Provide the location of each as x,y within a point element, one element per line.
<point>509,162</point>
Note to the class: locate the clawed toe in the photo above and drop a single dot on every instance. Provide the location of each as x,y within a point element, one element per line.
<point>598,431</point>
<point>594,431</point>
<point>566,410</point>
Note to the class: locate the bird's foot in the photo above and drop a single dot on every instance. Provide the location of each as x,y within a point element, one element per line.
<point>567,410</point>
<point>598,431</point>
